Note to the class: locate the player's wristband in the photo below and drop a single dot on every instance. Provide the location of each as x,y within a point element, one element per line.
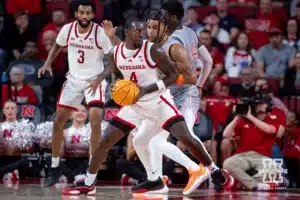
<point>161,85</point>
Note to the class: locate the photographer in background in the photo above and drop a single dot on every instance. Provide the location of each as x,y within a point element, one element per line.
<point>257,124</point>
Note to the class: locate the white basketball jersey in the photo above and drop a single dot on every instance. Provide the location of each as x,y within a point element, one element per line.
<point>139,68</point>
<point>77,139</point>
<point>85,51</point>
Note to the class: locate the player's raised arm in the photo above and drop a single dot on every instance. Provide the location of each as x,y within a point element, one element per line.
<point>206,58</point>
<point>110,32</point>
<point>179,54</point>
<point>166,66</point>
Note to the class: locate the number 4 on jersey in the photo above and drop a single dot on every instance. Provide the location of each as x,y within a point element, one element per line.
<point>133,77</point>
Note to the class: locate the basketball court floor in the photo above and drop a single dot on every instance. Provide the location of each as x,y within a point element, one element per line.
<point>33,190</point>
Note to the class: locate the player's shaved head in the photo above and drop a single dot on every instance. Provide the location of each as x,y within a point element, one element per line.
<point>134,32</point>
<point>132,23</point>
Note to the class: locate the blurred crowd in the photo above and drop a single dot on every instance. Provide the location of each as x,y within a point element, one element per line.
<point>254,45</point>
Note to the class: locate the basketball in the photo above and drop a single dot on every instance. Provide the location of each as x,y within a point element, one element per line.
<point>124,92</point>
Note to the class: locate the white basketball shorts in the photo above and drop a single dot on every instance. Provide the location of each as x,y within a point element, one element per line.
<point>160,109</point>
<point>74,91</point>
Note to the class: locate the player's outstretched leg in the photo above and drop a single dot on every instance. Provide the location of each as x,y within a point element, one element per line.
<point>141,141</point>
<point>110,137</point>
<point>62,115</point>
<point>198,174</point>
<point>221,178</point>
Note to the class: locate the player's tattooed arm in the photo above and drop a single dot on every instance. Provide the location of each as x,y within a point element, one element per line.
<point>165,65</point>
<point>180,56</point>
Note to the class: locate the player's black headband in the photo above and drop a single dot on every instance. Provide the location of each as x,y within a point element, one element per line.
<point>158,16</point>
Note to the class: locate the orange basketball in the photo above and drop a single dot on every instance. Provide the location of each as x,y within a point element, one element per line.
<point>124,92</point>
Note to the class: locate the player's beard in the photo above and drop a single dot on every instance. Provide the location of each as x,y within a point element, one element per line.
<point>84,25</point>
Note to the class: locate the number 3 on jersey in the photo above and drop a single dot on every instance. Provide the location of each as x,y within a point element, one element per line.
<point>80,56</point>
<point>133,77</point>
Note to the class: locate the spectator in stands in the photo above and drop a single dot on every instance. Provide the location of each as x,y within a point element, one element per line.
<point>246,87</point>
<point>17,89</point>
<point>262,86</point>
<point>257,130</point>
<point>29,61</point>
<point>59,18</point>
<point>291,34</point>
<point>291,149</point>
<point>22,32</point>
<point>223,103</point>
<point>259,27</point>
<point>274,58</point>
<point>192,19</point>
<point>292,76</point>
<point>227,21</point>
<point>11,159</point>
<point>218,60</point>
<point>211,23</point>
<point>239,56</point>
<point>250,3</point>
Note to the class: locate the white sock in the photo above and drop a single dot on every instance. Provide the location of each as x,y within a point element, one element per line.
<point>90,179</point>
<point>212,167</point>
<point>175,154</point>
<point>144,154</point>
<point>156,159</point>
<point>55,162</point>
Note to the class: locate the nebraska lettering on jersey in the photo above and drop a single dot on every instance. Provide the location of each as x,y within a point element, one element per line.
<point>81,46</point>
<point>132,67</point>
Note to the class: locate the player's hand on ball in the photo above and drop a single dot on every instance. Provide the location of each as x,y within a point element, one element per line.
<point>142,92</point>
<point>109,29</point>
<point>94,84</point>
<point>43,70</point>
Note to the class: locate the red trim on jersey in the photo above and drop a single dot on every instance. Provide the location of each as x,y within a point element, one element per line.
<point>165,125</point>
<point>76,34</point>
<point>89,33</point>
<point>116,54</point>
<point>69,33</point>
<point>137,53</point>
<point>177,115</point>
<point>169,104</point>
<point>145,56</point>
<point>100,99</point>
<point>122,45</point>
<point>66,106</point>
<point>124,122</point>
<point>96,40</point>
<point>62,105</point>
<point>134,56</point>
